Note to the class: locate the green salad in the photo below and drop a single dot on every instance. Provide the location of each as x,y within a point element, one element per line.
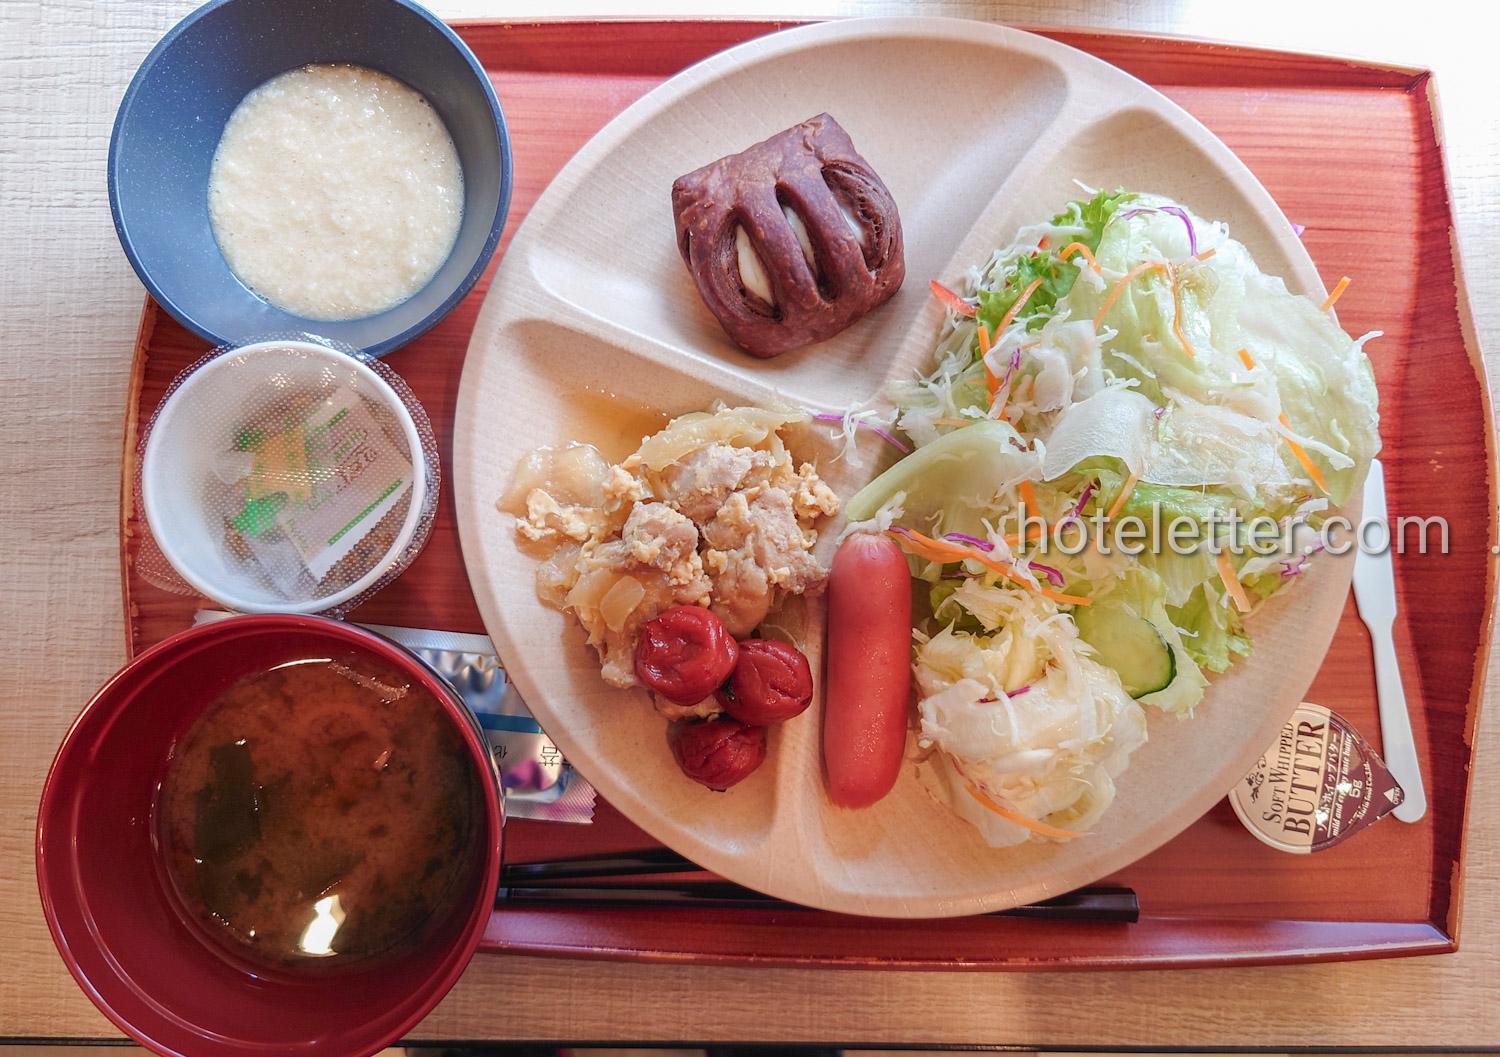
<point>1124,365</point>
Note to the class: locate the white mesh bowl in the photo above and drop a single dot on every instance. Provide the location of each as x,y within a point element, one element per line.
<point>186,499</point>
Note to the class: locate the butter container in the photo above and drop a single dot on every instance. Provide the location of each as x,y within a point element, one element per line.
<point>1317,785</point>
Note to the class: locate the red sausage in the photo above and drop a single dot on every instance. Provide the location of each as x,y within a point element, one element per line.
<point>869,669</point>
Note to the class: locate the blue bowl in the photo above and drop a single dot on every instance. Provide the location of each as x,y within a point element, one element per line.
<point>175,110</point>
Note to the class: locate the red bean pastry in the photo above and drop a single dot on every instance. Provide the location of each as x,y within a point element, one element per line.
<point>717,753</point>
<point>791,240</point>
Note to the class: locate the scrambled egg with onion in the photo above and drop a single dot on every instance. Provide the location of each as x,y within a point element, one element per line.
<point>711,511</point>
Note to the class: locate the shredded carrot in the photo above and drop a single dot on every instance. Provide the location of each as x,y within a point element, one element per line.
<point>952,300</point>
<point>1078,247</point>
<point>1305,459</point>
<point>1028,496</point>
<point>1187,346</point>
<point>925,546</point>
<point>948,551</point>
<point>1297,450</point>
<point>940,551</point>
<point>1125,490</point>
<point>1338,292</point>
<point>991,379</point>
<point>1046,592</point>
<point>1019,819</point>
<point>1206,254</point>
<point>1129,277</point>
<point>1232,583</point>
<point>1032,533</point>
<point>1020,303</point>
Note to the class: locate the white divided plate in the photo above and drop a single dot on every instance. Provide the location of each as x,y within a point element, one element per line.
<point>593,331</point>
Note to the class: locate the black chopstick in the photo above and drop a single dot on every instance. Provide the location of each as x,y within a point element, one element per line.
<point>717,894</point>
<point>609,864</point>
<point>535,884</point>
<point>1101,903</point>
<point>1097,905</point>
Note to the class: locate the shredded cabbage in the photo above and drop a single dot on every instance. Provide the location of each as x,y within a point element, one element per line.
<point>1050,750</point>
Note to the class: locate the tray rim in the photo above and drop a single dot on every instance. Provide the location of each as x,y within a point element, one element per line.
<point>1445,932</point>
<point>1357,941</point>
<point>1400,74</point>
<point>1431,110</point>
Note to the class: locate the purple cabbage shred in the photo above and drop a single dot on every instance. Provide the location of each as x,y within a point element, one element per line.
<point>828,416</point>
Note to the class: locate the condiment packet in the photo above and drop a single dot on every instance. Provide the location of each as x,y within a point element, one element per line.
<point>314,486</point>
<point>359,470</point>
<point>1318,784</point>
<point>538,782</point>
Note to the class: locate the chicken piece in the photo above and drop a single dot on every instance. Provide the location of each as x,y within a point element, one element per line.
<point>742,592</point>
<point>756,547</point>
<point>698,484</point>
<point>621,584</point>
<point>764,522</point>
<point>658,536</point>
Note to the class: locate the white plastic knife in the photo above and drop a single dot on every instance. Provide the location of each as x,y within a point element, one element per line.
<point>1375,592</point>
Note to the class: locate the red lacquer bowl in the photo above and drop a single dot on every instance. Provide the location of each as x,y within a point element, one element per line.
<point>121,932</point>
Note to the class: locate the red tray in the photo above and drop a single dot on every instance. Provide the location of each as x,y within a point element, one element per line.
<point>1348,149</point>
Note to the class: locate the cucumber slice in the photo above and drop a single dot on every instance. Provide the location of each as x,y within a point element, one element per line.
<point>1129,644</point>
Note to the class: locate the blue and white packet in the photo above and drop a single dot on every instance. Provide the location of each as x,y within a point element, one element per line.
<point>538,782</point>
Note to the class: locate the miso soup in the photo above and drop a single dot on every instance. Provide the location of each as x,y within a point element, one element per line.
<point>323,811</point>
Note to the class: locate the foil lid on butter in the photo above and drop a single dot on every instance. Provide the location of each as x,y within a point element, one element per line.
<point>1316,785</point>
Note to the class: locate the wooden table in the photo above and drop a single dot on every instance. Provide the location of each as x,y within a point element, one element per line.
<point>68,309</point>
